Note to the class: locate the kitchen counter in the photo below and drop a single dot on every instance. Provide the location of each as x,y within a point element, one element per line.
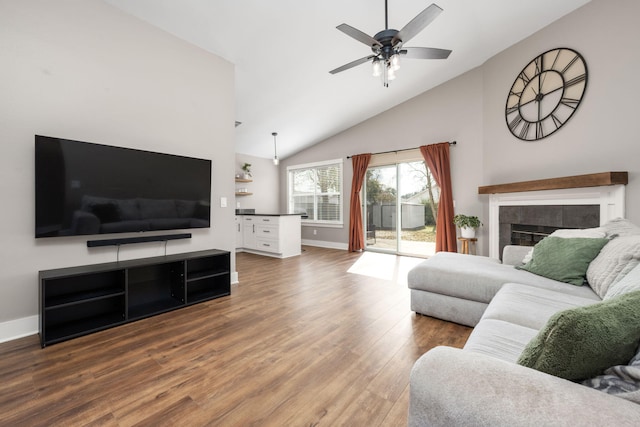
<point>271,214</point>
<point>275,234</point>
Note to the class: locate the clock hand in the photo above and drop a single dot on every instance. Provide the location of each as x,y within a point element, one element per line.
<point>555,90</point>
<point>540,80</point>
<point>552,66</point>
<point>529,102</point>
<point>543,95</point>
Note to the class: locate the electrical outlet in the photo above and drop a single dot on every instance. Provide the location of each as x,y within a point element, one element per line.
<point>315,232</point>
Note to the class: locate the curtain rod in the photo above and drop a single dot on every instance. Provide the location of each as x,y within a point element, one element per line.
<point>403,149</point>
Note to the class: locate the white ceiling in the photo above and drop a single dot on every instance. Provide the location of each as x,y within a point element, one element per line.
<point>283,51</point>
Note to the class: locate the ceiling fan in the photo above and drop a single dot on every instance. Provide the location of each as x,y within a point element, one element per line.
<point>388,45</point>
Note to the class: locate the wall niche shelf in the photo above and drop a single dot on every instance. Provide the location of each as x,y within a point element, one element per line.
<point>77,301</point>
<point>243,180</point>
<point>244,193</point>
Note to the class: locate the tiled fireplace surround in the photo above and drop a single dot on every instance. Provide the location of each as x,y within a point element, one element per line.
<point>536,213</point>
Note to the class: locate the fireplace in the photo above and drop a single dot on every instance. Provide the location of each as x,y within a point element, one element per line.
<point>527,225</point>
<point>525,212</point>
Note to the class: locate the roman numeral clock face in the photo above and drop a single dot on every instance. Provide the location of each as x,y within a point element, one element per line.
<point>546,94</point>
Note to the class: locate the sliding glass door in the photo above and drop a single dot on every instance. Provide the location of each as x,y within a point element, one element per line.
<point>400,209</point>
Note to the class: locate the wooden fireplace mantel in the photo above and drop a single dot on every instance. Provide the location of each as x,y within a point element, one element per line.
<point>576,181</point>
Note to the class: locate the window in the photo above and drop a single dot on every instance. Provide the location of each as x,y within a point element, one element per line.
<point>315,189</point>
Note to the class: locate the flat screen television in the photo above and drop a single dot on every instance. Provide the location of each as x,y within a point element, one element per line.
<point>84,188</point>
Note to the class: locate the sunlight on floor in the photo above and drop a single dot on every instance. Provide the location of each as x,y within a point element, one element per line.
<point>384,266</point>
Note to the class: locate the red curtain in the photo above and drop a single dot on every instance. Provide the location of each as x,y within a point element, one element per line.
<point>356,231</point>
<point>437,158</point>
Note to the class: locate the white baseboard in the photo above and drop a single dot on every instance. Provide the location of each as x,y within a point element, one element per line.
<point>18,328</point>
<point>323,244</point>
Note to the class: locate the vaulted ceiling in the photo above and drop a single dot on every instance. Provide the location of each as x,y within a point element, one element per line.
<point>283,51</point>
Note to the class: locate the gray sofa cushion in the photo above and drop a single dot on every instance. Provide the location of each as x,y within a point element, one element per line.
<point>478,278</point>
<point>499,339</point>
<point>530,306</point>
<point>458,310</point>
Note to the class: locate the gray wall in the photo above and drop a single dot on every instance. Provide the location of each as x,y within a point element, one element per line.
<point>451,111</point>
<point>470,109</point>
<point>84,70</point>
<point>601,134</point>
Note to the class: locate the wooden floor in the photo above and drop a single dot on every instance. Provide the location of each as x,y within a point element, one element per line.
<point>300,342</point>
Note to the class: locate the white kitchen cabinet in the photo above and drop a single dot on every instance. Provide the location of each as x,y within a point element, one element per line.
<point>272,235</point>
<point>239,232</point>
<point>248,232</point>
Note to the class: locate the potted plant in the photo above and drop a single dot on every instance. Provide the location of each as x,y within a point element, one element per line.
<point>467,224</point>
<point>247,170</point>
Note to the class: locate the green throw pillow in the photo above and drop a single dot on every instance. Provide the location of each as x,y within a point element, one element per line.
<point>564,259</point>
<point>582,342</point>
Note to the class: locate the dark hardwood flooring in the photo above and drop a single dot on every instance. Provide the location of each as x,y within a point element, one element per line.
<point>300,342</point>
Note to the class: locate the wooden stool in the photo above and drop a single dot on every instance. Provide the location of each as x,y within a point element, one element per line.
<point>464,249</point>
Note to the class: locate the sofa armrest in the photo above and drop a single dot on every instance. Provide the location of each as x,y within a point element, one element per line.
<point>513,254</point>
<point>450,386</point>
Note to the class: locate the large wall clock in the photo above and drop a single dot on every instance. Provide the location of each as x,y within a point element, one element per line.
<point>546,93</point>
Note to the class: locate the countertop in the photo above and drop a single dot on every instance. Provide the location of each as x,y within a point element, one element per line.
<point>269,214</point>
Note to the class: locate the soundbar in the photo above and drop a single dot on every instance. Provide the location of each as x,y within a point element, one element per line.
<point>138,239</point>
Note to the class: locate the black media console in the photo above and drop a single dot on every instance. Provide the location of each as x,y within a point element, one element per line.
<point>77,301</point>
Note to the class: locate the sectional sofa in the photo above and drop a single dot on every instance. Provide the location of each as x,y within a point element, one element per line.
<point>546,349</point>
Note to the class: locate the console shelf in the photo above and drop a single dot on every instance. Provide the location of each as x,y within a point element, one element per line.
<point>77,301</point>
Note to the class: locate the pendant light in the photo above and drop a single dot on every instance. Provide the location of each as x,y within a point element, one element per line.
<point>275,149</point>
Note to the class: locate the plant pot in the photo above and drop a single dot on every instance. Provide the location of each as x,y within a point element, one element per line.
<point>467,232</point>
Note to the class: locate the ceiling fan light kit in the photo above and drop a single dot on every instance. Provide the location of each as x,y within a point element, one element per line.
<point>276,161</point>
<point>388,45</point>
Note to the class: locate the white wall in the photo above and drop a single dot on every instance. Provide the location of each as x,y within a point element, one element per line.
<point>599,137</point>
<point>84,70</point>
<point>265,186</point>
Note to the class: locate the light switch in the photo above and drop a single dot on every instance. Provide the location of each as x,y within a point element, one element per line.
<point>223,202</point>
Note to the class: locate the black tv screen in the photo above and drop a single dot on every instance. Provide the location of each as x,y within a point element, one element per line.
<point>85,189</point>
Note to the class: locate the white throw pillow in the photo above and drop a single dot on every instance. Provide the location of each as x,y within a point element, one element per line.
<point>620,227</point>
<point>629,283</point>
<point>615,261</point>
<point>593,233</point>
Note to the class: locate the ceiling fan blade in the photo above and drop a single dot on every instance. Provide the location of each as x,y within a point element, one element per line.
<point>425,53</point>
<point>352,64</point>
<point>417,24</point>
<point>358,35</point>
